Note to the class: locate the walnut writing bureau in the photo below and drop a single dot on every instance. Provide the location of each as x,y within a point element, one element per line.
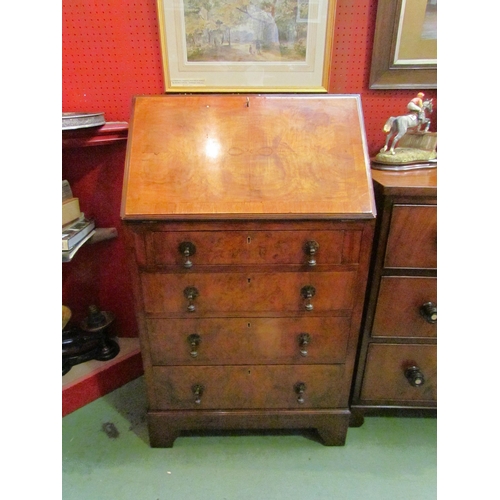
<point>250,220</point>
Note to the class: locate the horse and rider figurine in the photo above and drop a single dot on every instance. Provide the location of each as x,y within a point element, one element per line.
<point>397,126</point>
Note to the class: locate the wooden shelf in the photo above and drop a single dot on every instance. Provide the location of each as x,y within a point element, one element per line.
<point>89,381</point>
<point>100,234</point>
<point>108,133</point>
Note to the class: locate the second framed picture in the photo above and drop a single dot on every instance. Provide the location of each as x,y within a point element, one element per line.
<point>405,45</point>
<point>246,45</point>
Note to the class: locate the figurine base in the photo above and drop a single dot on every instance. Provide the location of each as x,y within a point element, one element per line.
<point>397,168</point>
<point>405,156</point>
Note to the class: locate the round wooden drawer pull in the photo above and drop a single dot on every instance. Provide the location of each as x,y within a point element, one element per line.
<point>414,376</point>
<point>429,312</point>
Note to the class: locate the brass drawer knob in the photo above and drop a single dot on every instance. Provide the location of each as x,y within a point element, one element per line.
<point>414,376</point>
<point>311,248</point>
<point>187,249</point>
<point>429,312</point>
<point>308,293</point>
<point>194,341</point>
<point>191,293</point>
<point>300,389</point>
<point>197,390</point>
<point>304,341</point>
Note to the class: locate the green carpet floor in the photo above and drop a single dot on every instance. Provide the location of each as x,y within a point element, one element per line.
<point>106,456</point>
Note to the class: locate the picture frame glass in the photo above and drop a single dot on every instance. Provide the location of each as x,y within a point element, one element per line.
<point>416,41</point>
<point>246,45</point>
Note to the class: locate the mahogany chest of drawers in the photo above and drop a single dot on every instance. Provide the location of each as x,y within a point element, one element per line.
<point>396,369</point>
<point>250,222</point>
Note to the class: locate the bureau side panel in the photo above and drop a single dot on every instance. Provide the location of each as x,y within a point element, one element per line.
<point>135,244</point>
<point>360,290</point>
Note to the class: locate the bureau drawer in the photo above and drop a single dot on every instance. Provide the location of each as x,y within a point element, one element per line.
<point>234,341</point>
<point>406,307</point>
<point>254,292</point>
<point>208,248</point>
<point>384,379</point>
<point>412,240</point>
<point>231,387</point>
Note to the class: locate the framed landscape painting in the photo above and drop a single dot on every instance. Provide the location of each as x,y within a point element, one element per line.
<point>246,45</point>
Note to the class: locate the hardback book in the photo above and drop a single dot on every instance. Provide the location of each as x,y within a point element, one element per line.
<point>72,234</point>
<point>70,210</point>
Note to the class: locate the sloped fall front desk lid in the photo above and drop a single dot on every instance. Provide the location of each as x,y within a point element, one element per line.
<point>247,156</point>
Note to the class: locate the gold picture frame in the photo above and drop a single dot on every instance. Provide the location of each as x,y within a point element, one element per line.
<point>405,45</point>
<point>246,45</point>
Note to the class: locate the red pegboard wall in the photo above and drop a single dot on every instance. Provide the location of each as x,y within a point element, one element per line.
<point>349,60</point>
<point>111,52</point>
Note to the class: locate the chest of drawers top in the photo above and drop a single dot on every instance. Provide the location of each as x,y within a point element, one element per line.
<point>419,183</point>
<point>247,157</point>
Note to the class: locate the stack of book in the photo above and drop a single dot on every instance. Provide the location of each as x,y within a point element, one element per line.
<point>75,234</point>
<point>76,228</point>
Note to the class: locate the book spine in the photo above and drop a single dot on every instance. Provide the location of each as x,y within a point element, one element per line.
<point>69,243</point>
